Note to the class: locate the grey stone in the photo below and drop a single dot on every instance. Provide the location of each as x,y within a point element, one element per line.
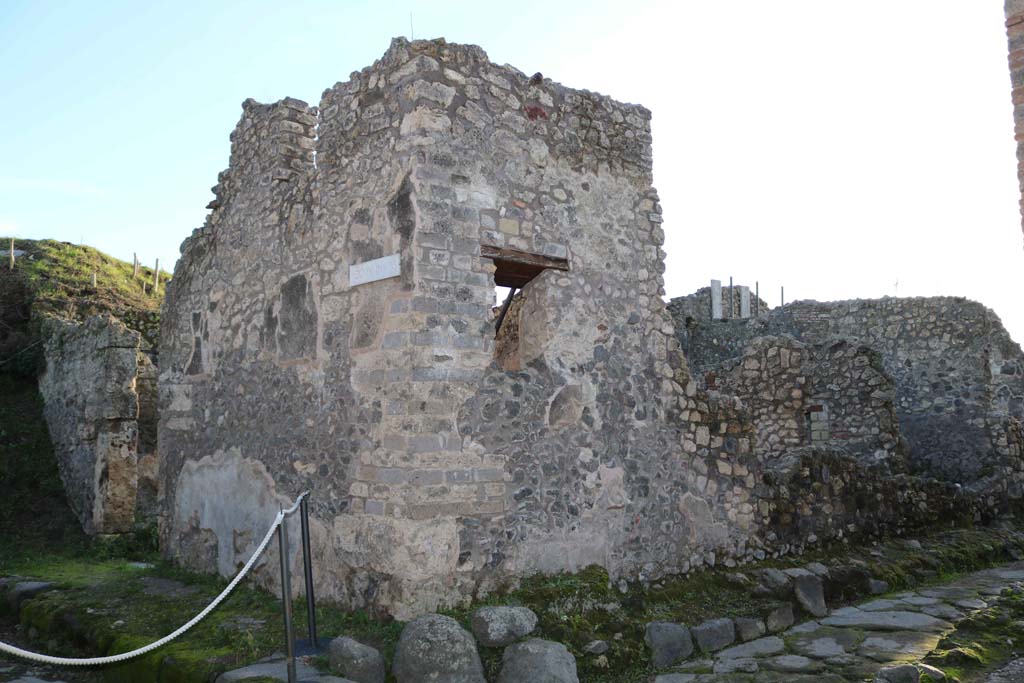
<point>877,587</point>
<point>501,626</point>
<point>675,678</point>
<point>714,634</point>
<point>435,648</point>
<point>756,648</point>
<point>596,647</point>
<point>669,643</point>
<point>26,590</point>
<point>748,628</point>
<point>776,581</point>
<point>794,664</point>
<point>356,661</point>
<point>818,569</point>
<point>821,648</point>
<point>943,611</point>
<point>810,593</point>
<point>904,673</point>
<point>276,670</point>
<point>780,618</point>
<point>888,621</point>
<point>537,661</point>
<point>735,665</point>
<point>971,604</point>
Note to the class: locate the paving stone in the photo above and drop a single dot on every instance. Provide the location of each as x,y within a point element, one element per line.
<point>806,627</point>
<point>714,634</point>
<point>889,621</point>
<point>898,646</point>
<point>821,648</point>
<point>920,600</point>
<point>274,670</point>
<point>794,663</point>
<point>971,603</point>
<point>943,611</point>
<point>880,605</point>
<point>761,647</point>
<point>742,665</point>
<point>675,678</point>
<point>669,643</point>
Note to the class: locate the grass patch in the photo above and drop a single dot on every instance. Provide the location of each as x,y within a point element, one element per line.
<point>981,643</point>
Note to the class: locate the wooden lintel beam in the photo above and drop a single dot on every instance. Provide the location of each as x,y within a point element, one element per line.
<point>510,255</point>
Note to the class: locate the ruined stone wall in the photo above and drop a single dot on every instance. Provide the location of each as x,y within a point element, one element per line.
<point>957,373</point>
<point>95,379</point>
<point>836,393</point>
<point>435,472</point>
<point>772,382</point>
<point>851,403</point>
<point>330,328</point>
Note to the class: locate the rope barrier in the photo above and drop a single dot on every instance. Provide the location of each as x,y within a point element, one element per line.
<point>124,656</point>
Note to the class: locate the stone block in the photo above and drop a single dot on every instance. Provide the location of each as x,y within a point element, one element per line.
<point>669,643</point>
<point>714,635</point>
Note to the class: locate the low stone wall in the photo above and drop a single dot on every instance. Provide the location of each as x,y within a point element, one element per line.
<point>96,379</point>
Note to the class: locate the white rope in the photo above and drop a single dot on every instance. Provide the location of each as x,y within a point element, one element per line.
<point>113,659</point>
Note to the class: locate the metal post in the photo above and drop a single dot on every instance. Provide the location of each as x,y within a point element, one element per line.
<point>757,298</point>
<point>286,599</point>
<point>12,253</point>
<point>782,296</point>
<point>156,278</point>
<point>307,565</point>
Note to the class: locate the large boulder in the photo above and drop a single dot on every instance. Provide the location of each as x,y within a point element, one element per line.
<point>669,643</point>
<point>538,661</point>
<point>501,626</point>
<point>435,649</point>
<point>355,661</point>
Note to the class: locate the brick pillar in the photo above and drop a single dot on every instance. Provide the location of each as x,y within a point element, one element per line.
<point>1015,36</point>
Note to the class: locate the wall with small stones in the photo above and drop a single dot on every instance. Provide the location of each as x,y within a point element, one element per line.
<point>959,387</point>
<point>95,380</point>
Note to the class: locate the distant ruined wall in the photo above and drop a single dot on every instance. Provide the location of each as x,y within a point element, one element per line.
<point>959,378</point>
<point>95,380</point>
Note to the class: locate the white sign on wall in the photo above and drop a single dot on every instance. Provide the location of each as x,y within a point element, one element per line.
<point>377,269</point>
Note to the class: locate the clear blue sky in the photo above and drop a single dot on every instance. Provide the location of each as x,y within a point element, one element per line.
<point>833,148</point>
